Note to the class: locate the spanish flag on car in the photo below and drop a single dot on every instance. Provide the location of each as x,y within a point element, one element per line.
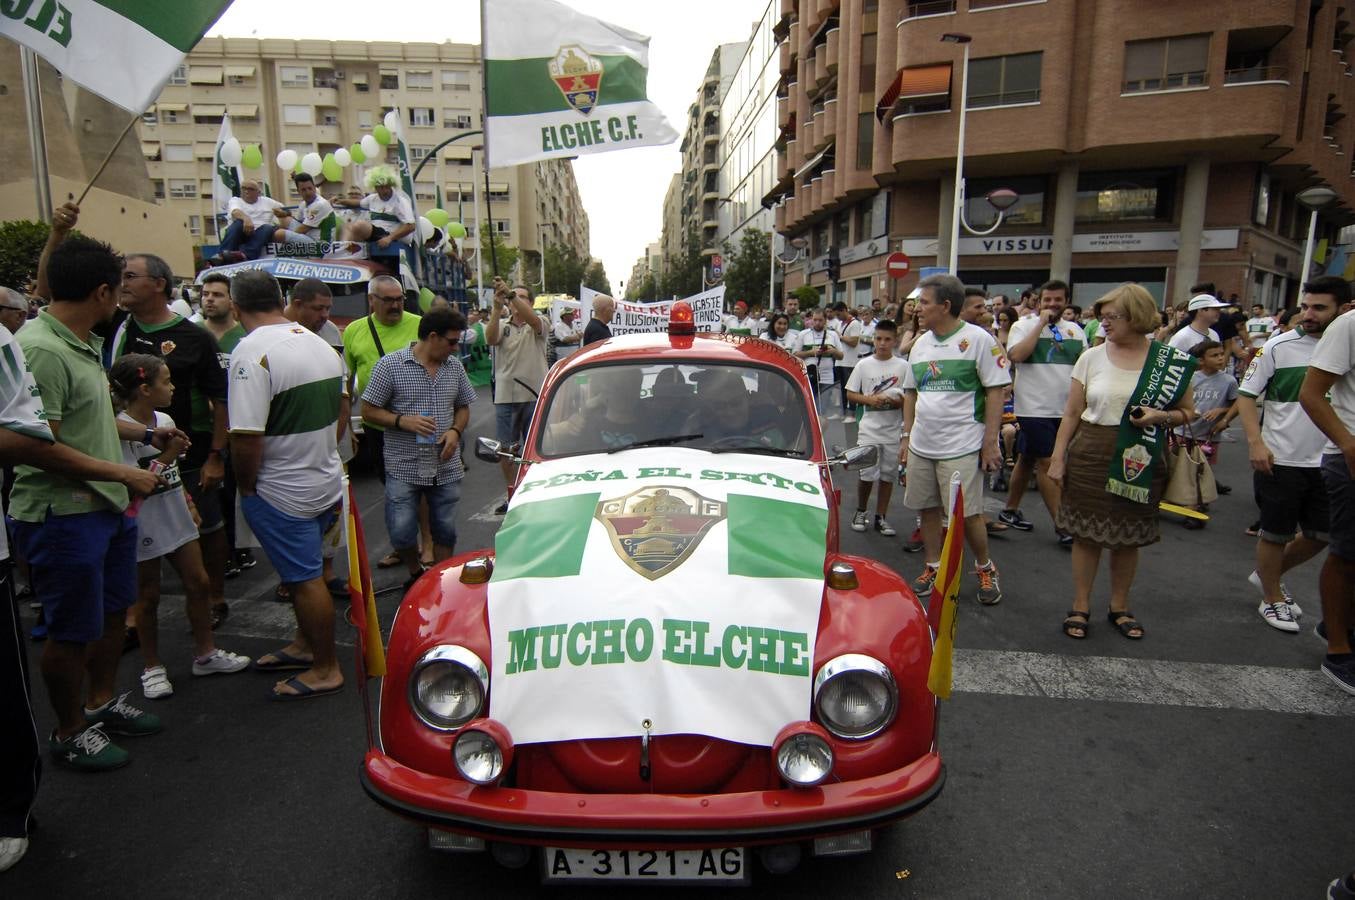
<point>941,608</point>
<point>360,592</point>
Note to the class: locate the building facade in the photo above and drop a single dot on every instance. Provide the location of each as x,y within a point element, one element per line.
<point>1165,146</point>
<point>318,96</point>
<point>748,142</point>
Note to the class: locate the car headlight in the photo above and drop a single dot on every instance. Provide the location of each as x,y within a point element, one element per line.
<point>482,751</point>
<point>804,757</point>
<point>855,696</point>
<point>447,687</point>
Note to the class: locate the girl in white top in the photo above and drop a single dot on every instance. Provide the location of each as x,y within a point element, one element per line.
<point>781,334</point>
<point>167,526</point>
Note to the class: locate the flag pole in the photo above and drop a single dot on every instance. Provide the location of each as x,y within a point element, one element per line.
<point>479,234</point>
<point>484,105</point>
<point>37,138</point>
<point>107,159</point>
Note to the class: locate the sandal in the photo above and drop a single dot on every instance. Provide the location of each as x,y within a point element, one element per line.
<point>282,594</point>
<point>1077,620</point>
<point>1125,623</point>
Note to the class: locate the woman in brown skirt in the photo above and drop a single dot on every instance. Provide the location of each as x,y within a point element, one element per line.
<point>1104,380</point>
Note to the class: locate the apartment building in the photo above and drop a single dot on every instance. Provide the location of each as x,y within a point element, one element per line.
<point>310,95</point>
<point>1163,143</point>
<point>749,132</point>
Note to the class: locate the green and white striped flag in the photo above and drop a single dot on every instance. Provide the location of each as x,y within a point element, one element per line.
<point>122,50</point>
<point>561,84</point>
<point>625,592</point>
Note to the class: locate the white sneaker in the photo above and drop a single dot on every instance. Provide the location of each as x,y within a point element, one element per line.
<point>12,849</point>
<point>1255,581</point>
<point>155,683</point>
<point>859,520</point>
<point>882,525</point>
<point>1277,615</point>
<point>221,661</point>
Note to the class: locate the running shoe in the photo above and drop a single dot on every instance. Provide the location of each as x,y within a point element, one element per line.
<point>922,584</point>
<point>220,662</point>
<point>1015,519</point>
<point>120,717</point>
<point>1277,616</point>
<point>990,593</point>
<point>87,751</point>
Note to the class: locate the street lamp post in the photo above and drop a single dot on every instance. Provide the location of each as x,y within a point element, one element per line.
<point>952,37</point>
<point>1314,198</point>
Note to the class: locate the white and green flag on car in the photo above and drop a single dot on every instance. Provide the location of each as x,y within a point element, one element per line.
<point>122,50</point>
<point>561,84</point>
<point>684,595</point>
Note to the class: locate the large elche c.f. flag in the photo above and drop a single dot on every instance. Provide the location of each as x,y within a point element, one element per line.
<point>561,84</point>
<point>122,50</point>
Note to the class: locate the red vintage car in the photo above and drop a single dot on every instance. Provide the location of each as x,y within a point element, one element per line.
<point>666,666</point>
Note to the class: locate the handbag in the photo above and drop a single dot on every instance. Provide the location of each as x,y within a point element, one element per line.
<point>1190,481</point>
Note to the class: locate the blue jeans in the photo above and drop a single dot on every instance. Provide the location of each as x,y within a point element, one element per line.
<point>83,569</point>
<point>511,421</point>
<point>252,245</point>
<point>402,512</point>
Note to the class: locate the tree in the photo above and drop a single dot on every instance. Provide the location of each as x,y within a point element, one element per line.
<point>682,276</point>
<point>746,272</point>
<point>21,244</point>
<point>595,277</point>
<point>644,289</point>
<point>809,297</point>
<point>505,256</point>
<point>564,269</point>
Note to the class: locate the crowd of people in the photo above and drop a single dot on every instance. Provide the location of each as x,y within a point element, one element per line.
<point>140,435</point>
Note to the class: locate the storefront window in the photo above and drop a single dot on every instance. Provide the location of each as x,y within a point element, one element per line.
<point>1028,209</point>
<point>1145,196</point>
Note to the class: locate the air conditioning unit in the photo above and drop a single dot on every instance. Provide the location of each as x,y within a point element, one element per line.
<point>339,75</point>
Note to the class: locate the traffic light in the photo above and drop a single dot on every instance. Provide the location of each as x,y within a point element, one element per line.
<point>834,265</point>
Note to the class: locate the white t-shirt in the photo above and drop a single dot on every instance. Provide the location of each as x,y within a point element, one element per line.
<point>1042,380</point>
<point>876,376</point>
<point>812,340</point>
<point>1109,388</point>
<point>1276,372</point>
<point>564,330</point>
<point>390,214</point>
<point>851,354</point>
<point>319,217</point>
<point>951,374</point>
<point>260,212</point>
<point>790,341</point>
<point>20,403</point>
<point>1335,353</point>
<point>286,383</point>
<point>1186,339</point>
<point>1259,330</point>
<point>163,524</point>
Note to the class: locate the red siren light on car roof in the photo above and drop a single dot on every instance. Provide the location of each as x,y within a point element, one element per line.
<point>682,320</point>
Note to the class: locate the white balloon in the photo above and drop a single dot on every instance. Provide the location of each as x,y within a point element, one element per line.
<point>287,160</point>
<point>426,229</point>
<point>231,152</point>
<point>372,148</point>
<point>311,164</point>
<point>392,121</point>
<point>343,158</point>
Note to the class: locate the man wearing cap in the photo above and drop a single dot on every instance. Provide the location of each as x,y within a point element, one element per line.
<point>567,337</point>
<point>13,309</point>
<point>1201,314</point>
<point>740,322</point>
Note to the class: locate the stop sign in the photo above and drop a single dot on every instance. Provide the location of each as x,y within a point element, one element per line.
<point>897,265</point>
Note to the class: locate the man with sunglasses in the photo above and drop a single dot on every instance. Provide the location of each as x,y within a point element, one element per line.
<point>421,396</point>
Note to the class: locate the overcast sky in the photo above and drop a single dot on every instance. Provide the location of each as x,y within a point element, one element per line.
<point>622,190</point>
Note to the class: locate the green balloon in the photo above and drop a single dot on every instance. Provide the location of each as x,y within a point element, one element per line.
<point>252,158</point>
<point>456,230</point>
<point>438,217</point>
<point>297,168</point>
<point>330,168</point>
<point>382,135</point>
<point>355,151</point>
<point>425,299</point>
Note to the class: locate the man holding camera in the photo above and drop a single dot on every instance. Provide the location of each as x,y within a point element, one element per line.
<point>519,337</point>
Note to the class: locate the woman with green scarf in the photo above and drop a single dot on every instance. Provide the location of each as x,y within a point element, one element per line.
<point>1110,453</point>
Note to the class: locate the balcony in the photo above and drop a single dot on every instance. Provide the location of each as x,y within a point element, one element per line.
<point>710,136</point>
<point>782,111</point>
<point>1257,75</point>
<point>921,8</point>
<point>821,73</point>
<point>810,133</point>
<point>825,8</point>
<point>831,48</point>
<point>797,36</point>
<point>787,58</point>
<point>828,129</point>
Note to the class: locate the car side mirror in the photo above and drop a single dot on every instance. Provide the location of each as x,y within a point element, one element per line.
<point>491,451</point>
<point>856,457</point>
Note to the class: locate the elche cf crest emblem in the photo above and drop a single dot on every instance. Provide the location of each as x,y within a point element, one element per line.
<point>578,75</point>
<point>654,530</point>
<point>1135,459</point>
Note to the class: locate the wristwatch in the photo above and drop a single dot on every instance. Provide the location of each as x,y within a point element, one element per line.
<point>148,437</point>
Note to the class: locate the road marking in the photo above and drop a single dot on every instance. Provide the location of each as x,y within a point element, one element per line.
<point>1155,682</point>
<point>487,513</point>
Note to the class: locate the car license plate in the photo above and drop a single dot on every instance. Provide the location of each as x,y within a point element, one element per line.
<point>727,865</point>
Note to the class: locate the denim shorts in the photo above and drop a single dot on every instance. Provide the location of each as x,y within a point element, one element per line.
<point>83,569</point>
<point>402,512</point>
<point>1341,500</point>
<point>511,421</point>
<point>295,546</point>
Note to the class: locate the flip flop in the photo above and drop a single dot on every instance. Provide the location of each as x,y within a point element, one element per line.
<point>303,690</point>
<point>284,662</point>
<point>389,560</point>
<point>337,587</point>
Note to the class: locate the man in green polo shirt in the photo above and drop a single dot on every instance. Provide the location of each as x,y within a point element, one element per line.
<point>80,546</point>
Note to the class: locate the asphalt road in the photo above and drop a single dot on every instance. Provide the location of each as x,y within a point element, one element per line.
<point>1208,760</point>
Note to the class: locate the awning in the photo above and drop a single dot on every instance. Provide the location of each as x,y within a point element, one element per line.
<point>204,74</point>
<point>915,82</point>
<point>150,149</point>
<point>162,106</point>
<point>457,152</point>
<point>814,160</point>
<point>204,150</point>
<point>240,71</point>
<point>244,110</point>
<point>775,194</point>
<point>498,187</point>
<point>210,110</point>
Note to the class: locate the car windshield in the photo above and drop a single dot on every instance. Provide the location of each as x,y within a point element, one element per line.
<point>707,406</point>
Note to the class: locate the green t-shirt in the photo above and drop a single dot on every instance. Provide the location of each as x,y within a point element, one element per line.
<point>360,352</point>
<point>74,388</point>
<point>228,341</point>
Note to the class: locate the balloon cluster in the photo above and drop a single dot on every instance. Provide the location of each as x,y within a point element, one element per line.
<point>233,153</point>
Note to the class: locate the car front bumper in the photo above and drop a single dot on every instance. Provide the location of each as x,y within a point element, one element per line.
<point>652,820</point>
